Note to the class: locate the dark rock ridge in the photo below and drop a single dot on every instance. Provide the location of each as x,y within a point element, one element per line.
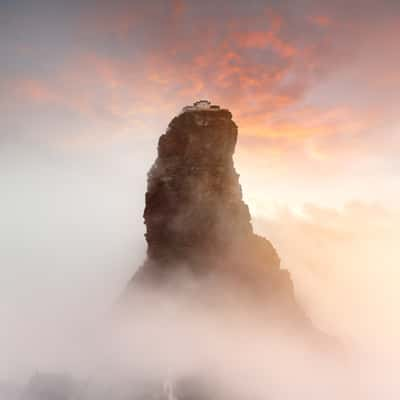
<point>195,216</point>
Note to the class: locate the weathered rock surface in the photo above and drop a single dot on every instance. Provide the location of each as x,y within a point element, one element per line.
<point>196,219</point>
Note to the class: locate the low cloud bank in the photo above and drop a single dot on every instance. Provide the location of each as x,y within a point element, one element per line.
<point>345,266</point>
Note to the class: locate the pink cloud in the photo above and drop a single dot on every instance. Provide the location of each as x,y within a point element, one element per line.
<point>34,90</point>
<point>257,65</point>
<point>321,20</point>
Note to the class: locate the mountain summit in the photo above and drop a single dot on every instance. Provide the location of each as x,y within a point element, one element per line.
<point>196,220</point>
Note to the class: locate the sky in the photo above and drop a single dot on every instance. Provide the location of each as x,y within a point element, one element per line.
<point>313,86</point>
<point>86,89</point>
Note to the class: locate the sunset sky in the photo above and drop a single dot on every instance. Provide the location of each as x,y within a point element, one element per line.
<point>313,86</point>
<point>87,88</point>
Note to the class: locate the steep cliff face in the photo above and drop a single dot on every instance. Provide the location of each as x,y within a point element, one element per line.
<point>195,216</point>
<point>194,203</point>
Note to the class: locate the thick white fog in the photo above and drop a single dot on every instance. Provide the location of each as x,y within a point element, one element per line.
<point>72,236</point>
<point>345,265</point>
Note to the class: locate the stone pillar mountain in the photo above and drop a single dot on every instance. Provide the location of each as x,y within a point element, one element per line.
<point>196,219</point>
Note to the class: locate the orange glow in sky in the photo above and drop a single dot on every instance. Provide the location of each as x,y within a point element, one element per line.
<point>311,87</point>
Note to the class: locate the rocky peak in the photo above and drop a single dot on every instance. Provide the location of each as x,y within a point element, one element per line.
<point>203,258</point>
<point>194,202</point>
<point>195,216</point>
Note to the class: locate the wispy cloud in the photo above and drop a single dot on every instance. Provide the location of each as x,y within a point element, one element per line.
<point>304,75</point>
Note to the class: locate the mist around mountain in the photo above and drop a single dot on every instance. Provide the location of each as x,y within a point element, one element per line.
<point>212,313</point>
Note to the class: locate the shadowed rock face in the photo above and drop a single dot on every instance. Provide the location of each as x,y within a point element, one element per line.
<point>194,203</point>
<point>195,216</point>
